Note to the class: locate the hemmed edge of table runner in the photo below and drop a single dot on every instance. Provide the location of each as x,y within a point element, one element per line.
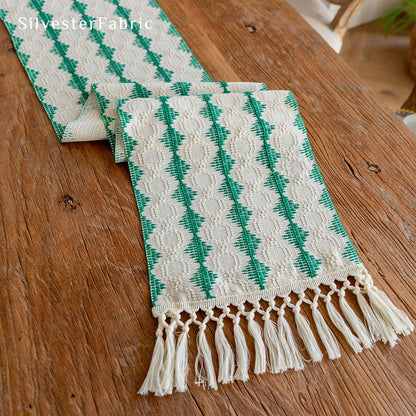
<point>275,346</point>
<point>89,125</point>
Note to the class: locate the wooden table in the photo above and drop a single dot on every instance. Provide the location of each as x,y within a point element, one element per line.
<point>76,329</point>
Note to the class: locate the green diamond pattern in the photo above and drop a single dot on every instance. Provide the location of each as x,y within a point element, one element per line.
<point>153,58</point>
<point>325,199</point>
<point>192,221</point>
<point>152,255</point>
<point>306,262</point>
<point>247,242</point>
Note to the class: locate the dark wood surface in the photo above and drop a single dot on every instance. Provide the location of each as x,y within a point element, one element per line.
<point>77,333</point>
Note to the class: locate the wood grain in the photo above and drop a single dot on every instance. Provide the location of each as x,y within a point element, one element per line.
<point>76,330</point>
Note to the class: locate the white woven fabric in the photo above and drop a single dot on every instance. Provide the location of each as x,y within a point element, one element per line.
<point>101,105</point>
<point>63,62</point>
<point>234,211</point>
<point>236,219</point>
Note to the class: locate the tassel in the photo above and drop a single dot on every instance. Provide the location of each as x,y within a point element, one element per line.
<point>168,361</point>
<point>325,333</point>
<point>381,331</point>
<point>203,362</point>
<point>276,359</point>
<point>371,319</point>
<point>225,355</point>
<point>340,324</point>
<point>388,313</point>
<point>293,358</point>
<point>307,336</point>
<point>355,322</point>
<point>242,353</point>
<point>169,364</point>
<point>152,382</point>
<point>181,360</point>
<point>259,347</point>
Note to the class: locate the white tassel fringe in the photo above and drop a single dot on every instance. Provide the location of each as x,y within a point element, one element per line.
<point>342,327</point>
<point>225,355</point>
<point>168,361</point>
<point>291,354</point>
<point>354,321</point>
<point>169,365</point>
<point>181,360</point>
<point>387,313</point>
<point>308,337</point>
<point>241,352</point>
<point>204,367</point>
<point>325,333</point>
<point>260,350</point>
<point>152,382</point>
<point>276,359</point>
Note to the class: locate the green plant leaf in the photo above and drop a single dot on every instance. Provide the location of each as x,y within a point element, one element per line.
<point>399,18</point>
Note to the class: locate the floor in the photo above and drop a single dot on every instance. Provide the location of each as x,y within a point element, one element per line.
<point>381,62</point>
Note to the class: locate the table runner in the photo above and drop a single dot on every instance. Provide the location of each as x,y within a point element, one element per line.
<point>68,45</point>
<point>236,219</point>
<point>102,103</point>
<point>234,211</point>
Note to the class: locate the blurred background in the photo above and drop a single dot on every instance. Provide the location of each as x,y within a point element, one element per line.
<point>378,40</point>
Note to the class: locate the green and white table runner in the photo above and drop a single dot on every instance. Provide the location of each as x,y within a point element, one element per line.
<point>236,219</point>
<point>102,102</point>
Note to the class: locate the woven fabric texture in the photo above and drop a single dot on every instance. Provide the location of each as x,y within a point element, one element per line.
<point>236,219</point>
<point>104,98</point>
<point>230,196</point>
<point>63,62</point>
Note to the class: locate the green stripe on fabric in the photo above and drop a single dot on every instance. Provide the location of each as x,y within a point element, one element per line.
<point>143,42</point>
<point>114,67</point>
<point>247,242</point>
<point>116,152</point>
<point>183,46</point>
<point>224,86</point>
<point>140,91</point>
<point>103,103</point>
<point>32,74</point>
<point>181,88</point>
<point>191,220</point>
<point>152,255</point>
<point>305,261</point>
<point>69,65</point>
<point>336,225</point>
